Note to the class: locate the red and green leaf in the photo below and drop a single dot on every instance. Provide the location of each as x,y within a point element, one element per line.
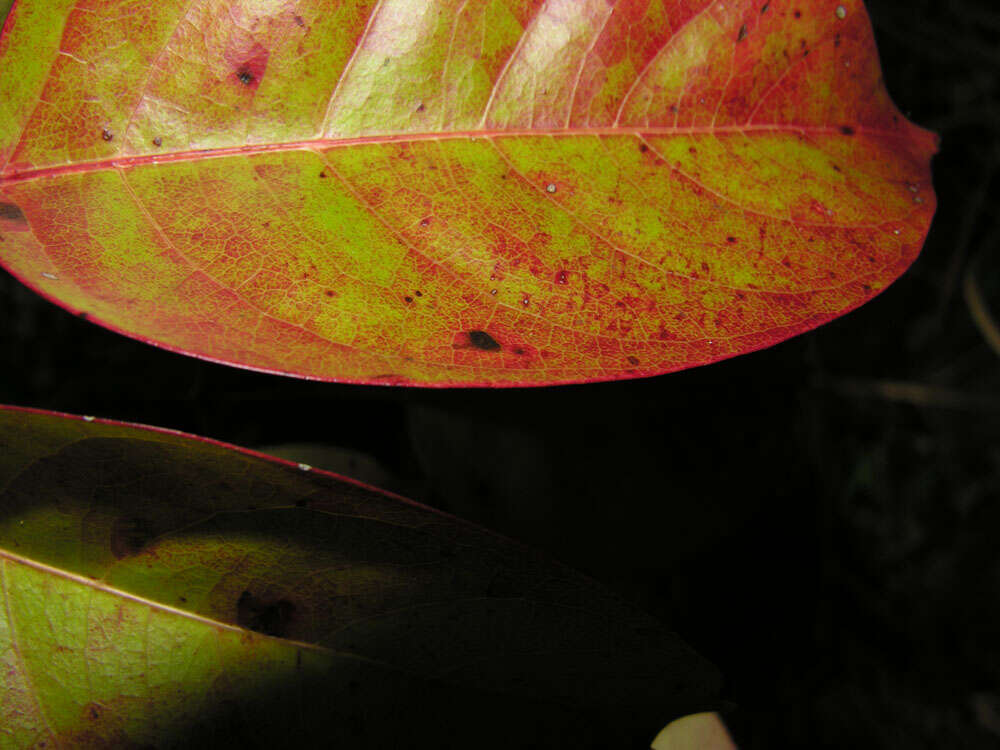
<point>486,192</point>
<point>158,589</point>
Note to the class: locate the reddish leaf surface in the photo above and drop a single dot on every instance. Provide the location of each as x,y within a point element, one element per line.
<point>487,192</point>
<point>169,591</point>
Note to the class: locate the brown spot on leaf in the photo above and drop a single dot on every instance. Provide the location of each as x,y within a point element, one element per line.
<point>847,130</point>
<point>157,141</point>
<point>730,239</point>
<point>483,341</point>
<point>643,147</point>
<point>107,134</point>
<point>632,360</point>
<point>129,536</point>
<point>742,33</point>
<point>408,299</point>
<point>245,76</point>
<point>262,616</point>
<point>298,20</point>
<point>10,212</point>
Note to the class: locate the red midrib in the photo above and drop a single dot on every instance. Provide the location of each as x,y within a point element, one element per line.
<point>11,174</point>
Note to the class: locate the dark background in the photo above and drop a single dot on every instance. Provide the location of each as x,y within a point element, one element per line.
<point>820,519</point>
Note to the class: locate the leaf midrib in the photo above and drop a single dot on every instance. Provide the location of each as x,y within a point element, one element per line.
<point>12,176</point>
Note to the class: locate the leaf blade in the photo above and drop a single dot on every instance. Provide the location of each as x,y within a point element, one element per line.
<point>625,205</point>
<point>243,563</point>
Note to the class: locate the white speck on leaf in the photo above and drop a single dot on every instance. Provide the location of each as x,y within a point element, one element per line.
<point>841,12</point>
<point>87,418</point>
<point>305,467</point>
<point>48,275</point>
<point>551,187</point>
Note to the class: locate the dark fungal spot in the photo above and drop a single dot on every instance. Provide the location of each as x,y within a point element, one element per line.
<point>797,14</point>
<point>408,299</point>
<point>322,175</point>
<point>157,141</point>
<point>847,130</point>
<point>10,212</point>
<point>129,536</point>
<point>643,147</point>
<point>632,360</point>
<point>483,341</point>
<point>742,33</point>
<point>764,8</point>
<point>419,293</point>
<point>107,134</point>
<point>519,350</point>
<point>730,239</point>
<point>244,76</point>
<point>261,616</point>
<point>93,712</point>
<point>835,168</point>
<point>329,293</point>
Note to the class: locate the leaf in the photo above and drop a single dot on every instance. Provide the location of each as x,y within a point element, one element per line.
<point>161,589</point>
<point>490,192</point>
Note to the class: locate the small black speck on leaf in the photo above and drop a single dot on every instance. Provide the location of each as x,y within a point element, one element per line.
<point>107,134</point>
<point>730,239</point>
<point>632,360</point>
<point>847,130</point>
<point>643,147</point>
<point>245,77</point>
<point>408,299</point>
<point>742,33</point>
<point>483,341</point>
<point>157,141</point>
